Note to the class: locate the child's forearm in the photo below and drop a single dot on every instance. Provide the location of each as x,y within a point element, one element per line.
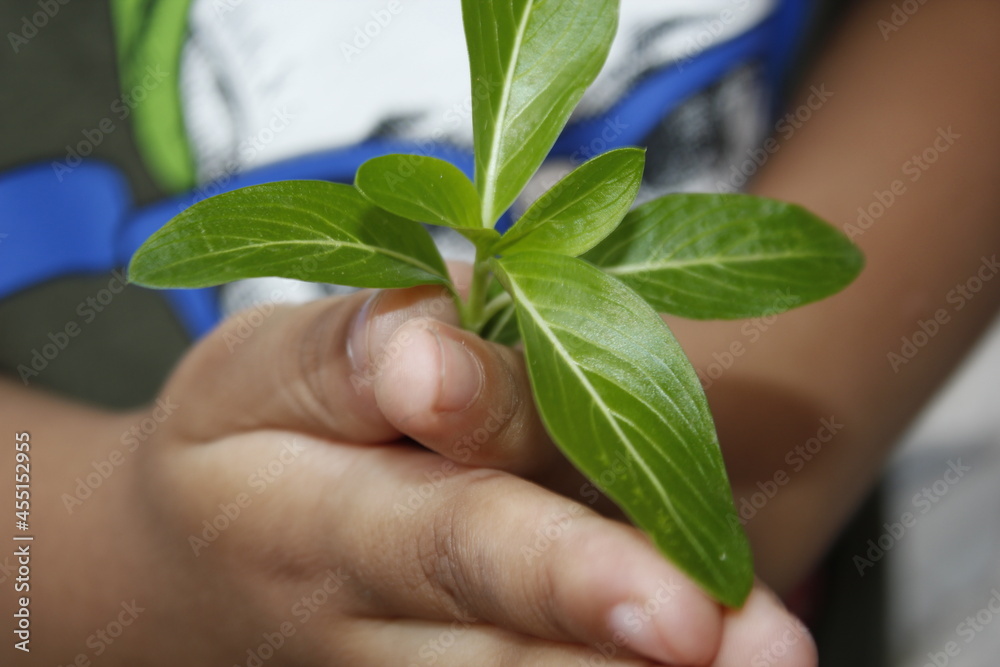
<point>86,573</point>
<point>904,155</point>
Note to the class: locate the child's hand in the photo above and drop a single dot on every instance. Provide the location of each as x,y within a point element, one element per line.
<point>285,506</point>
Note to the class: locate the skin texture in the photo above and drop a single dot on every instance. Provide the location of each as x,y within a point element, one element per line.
<point>416,545</point>
<point>400,553</point>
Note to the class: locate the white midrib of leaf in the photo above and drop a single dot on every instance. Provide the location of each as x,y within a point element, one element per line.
<point>718,260</point>
<point>340,244</point>
<point>521,299</point>
<point>489,179</point>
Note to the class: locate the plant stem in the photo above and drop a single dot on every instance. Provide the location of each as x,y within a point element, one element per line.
<point>495,305</point>
<point>472,310</point>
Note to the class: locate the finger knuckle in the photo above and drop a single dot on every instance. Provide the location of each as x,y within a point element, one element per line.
<point>561,543</point>
<point>451,550</point>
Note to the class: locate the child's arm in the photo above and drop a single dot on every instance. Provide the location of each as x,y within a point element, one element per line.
<point>915,107</point>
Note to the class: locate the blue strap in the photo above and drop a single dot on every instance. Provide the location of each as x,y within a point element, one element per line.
<point>83,221</point>
<point>773,43</point>
<point>59,224</point>
<point>788,32</point>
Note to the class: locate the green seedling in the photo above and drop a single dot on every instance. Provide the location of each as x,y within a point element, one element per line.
<point>579,279</point>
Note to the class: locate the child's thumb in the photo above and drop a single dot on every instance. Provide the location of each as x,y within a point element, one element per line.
<point>308,368</point>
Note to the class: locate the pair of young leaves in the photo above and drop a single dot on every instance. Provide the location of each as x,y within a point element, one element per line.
<point>613,387</point>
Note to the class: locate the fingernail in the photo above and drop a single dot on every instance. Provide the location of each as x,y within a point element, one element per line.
<point>384,312</point>
<point>358,333</point>
<point>630,625</point>
<point>672,623</point>
<point>461,375</point>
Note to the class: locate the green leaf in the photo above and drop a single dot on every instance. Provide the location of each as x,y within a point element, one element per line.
<point>621,400</point>
<point>420,188</point>
<point>582,208</point>
<point>530,62</point>
<point>727,256</point>
<point>308,230</point>
<point>428,190</point>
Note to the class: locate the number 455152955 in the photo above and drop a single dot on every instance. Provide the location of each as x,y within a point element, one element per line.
<point>22,479</point>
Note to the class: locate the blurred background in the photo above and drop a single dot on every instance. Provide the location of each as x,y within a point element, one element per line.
<point>946,569</point>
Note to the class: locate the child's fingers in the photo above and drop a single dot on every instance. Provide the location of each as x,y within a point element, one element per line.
<point>416,536</point>
<point>462,644</point>
<point>438,541</point>
<point>489,548</point>
<point>758,635</point>
<point>367,368</point>
<point>463,397</point>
